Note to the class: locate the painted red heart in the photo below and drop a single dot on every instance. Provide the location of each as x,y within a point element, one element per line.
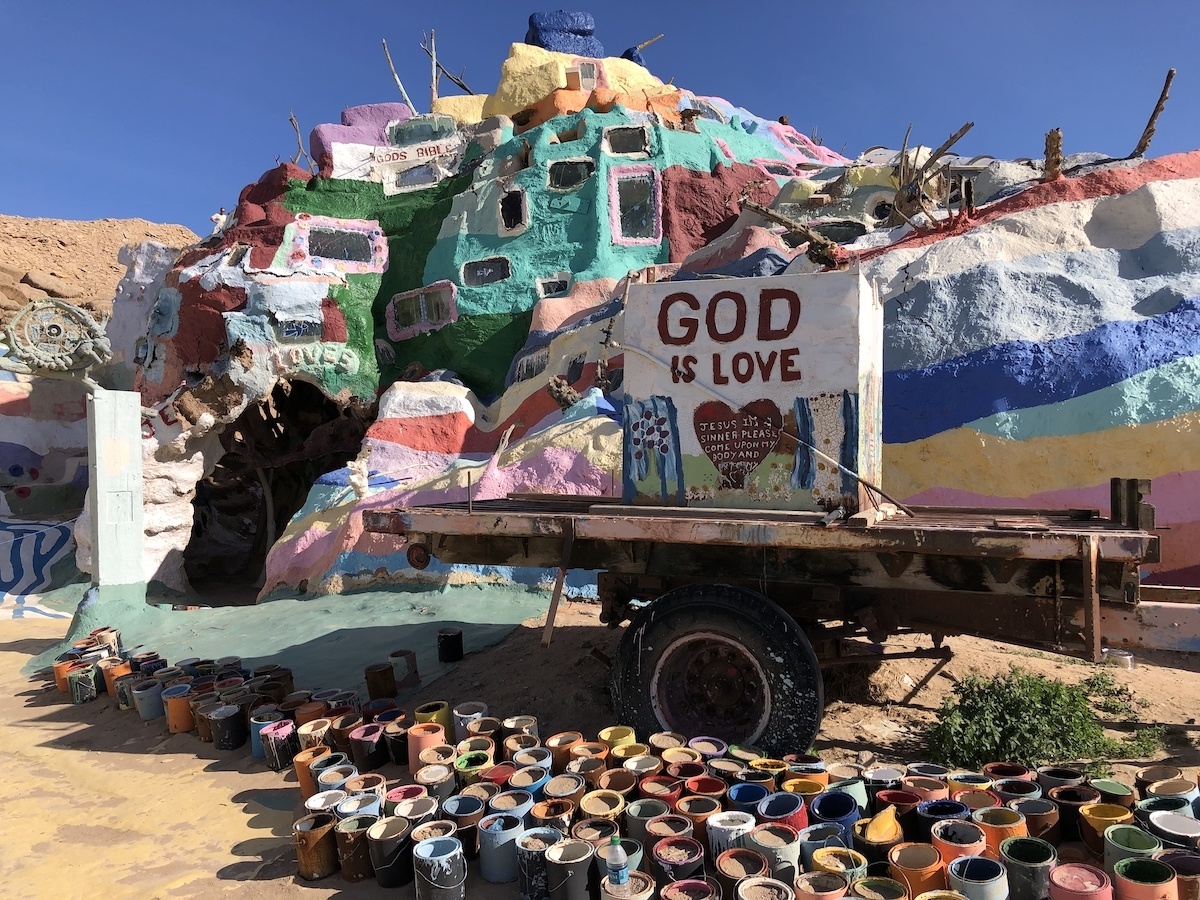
<point>737,440</point>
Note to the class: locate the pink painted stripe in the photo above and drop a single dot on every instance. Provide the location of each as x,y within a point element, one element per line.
<point>1105,183</point>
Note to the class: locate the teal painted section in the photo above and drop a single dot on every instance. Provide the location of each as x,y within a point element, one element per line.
<point>432,233</point>
<point>1170,390</point>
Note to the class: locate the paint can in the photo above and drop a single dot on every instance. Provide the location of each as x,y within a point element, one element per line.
<point>1137,878</point>
<point>783,807</point>
<point>395,738</point>
<point>325,801</point>
<point>367,748</point>
<point>112,669</point>
<point>999,823</point>
<point>1028,862</point>
<point>421,737</point>
<point>391,851</point>
<point>123,689</point>
<point>513,725</point>
<point>816,836</point>
<point>533,877</point>
<point>515,743</point>
<point>876,887</point>
<point>820,886</point>
<point>418,810</point>
<point>438,712</point>
<point>359,805</point>
<point>450,645</point>
<point>381,680</point>
<point>81,683</point>
<point>228,727</point>
<point>177,701</point>
<point>568,867</point>
<point>312,733</point>
<point>465,812</point>
<point>332,778</point>
<point>640,887</point>
<point>930,812</point>
<point>737,863</point>
<point>638,815</point>
<point>353,851</point>
<point>397,795</point>
<point>465,713</point>
<point>280,744</point>
<point>440,868</point>
<point>978,877</point>
<point>726,830</point>
<point>531,779</point>
<point>258,722</point>
<point>147,698</point>
<point>498,835</point>
<point>675,858</point>
<point>954,838</point>
<point>302,763</point>
<point>918,866</point>
<point>438,780</point>
<point>339,731</point>
<point>837,808</point>
<point>316,846</point>
<point>553,814</point>
<point>1186,864</point>
<point>512,803</point>
<point>757,887</point>
<point>469,767</point>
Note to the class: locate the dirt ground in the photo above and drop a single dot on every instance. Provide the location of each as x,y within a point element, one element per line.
<point>83,253</point>
<point>105,802</point>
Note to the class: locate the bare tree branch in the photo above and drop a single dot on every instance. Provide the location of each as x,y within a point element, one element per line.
<point>300,151</point>
<point>1144,143</point>
<point>403,93</point>
<point>456,80</point>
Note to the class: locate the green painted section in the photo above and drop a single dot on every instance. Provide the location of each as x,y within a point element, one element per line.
<point>477,348</point>
<point>411,222</point>
<point>1163,393</point>
<point>326,641</point>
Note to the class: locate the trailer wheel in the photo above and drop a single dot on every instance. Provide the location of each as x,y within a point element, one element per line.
<point>723,661</point>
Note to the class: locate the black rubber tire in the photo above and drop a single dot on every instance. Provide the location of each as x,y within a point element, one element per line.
<point>727,620</point>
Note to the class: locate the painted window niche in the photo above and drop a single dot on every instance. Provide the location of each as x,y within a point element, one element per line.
<point>776,168</point>
<point>511,165</point>
<point>567,135</point>
<point>635,205</point>
<point>575,368</point>
<point>514,212</point>
<point>555,285</point>
<point>486,271</point>
<point>582,76</point>
<point>422,130</point>
<point>569,174</point>
<point>532,365</point>
<point>344,246</point>
<point>627,140</point>
<point>425,309</point>
<point>410,178</point>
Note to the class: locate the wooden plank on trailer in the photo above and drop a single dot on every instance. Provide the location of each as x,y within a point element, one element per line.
<point>1090,556</point>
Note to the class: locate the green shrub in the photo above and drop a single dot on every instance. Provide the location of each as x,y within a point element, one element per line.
<point>1030,719</point>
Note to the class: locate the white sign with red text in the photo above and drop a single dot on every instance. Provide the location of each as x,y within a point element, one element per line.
<point>754,392</point>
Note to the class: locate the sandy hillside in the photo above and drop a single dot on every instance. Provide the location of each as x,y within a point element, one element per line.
<point>82,255</point>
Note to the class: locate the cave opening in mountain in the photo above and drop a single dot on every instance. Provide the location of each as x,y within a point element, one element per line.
<point>274,452</point>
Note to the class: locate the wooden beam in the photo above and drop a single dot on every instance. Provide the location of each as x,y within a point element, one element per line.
<point>563,565</point>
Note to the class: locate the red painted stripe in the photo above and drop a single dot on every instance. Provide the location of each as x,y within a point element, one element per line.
<point>1105,183</point>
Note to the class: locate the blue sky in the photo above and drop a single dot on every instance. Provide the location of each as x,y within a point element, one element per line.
<point>165,110</point>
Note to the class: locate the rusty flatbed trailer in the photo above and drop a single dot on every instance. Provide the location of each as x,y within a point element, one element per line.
<point>733,612</point>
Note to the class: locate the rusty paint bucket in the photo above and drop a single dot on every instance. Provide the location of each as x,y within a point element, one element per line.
<point>316,846</point>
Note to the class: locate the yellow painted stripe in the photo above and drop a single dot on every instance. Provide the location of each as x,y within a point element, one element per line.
<point>969,460</point>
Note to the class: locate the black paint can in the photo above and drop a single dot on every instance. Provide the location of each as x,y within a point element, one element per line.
<point>450,645</point>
